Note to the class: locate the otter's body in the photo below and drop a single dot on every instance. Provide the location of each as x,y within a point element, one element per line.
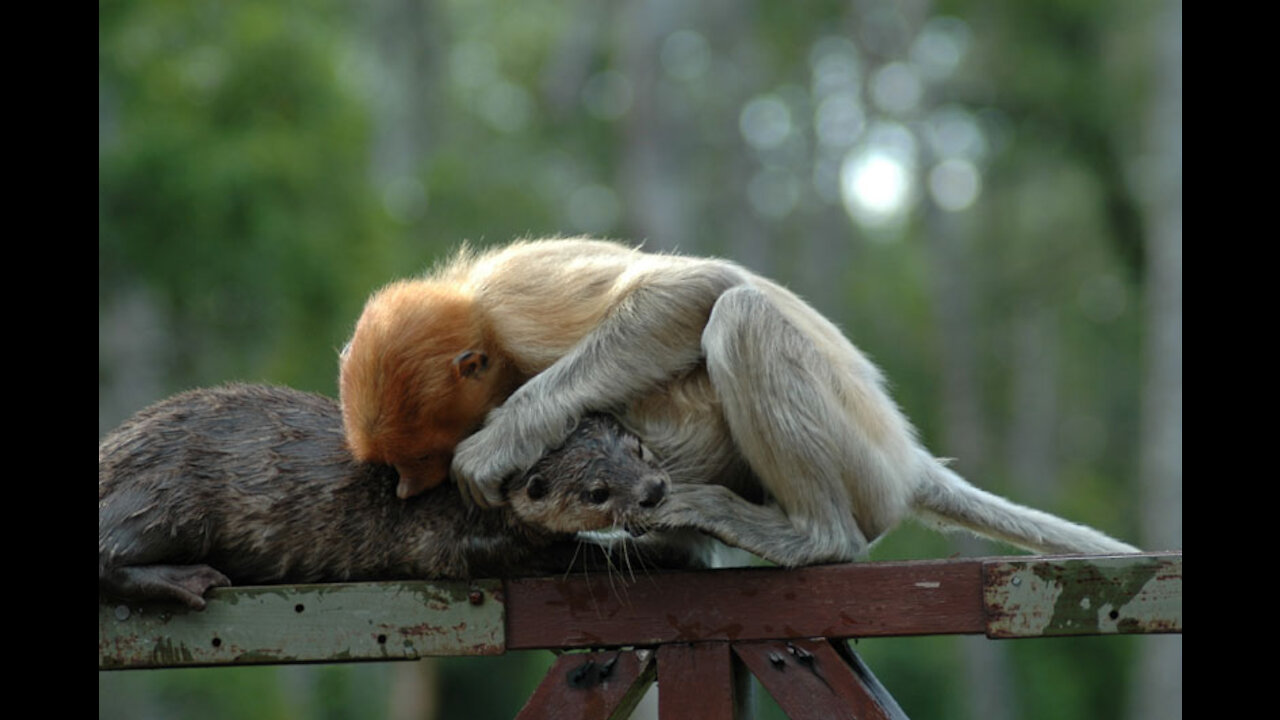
<point>252,484</point>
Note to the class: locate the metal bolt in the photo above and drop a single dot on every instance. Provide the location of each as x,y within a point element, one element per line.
<point>585,675</point>
<point>607,669</point>
<point>122,612</point>
<point>777,660</point>
<point>1016,581</point>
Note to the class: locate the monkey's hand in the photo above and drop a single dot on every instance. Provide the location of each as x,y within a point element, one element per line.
<point>480,464</point>
<point>498,451</point>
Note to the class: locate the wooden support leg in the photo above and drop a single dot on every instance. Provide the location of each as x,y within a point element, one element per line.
<point>592,686</point>
<point>818,679</point>
<point>701,681</point>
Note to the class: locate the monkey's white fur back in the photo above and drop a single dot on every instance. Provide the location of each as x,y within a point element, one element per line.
<point>742,387</point>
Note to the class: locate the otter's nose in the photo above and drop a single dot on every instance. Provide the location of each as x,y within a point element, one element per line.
<point>653,492</point>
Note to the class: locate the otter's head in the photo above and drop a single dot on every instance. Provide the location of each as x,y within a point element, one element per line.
<point>601,478</point>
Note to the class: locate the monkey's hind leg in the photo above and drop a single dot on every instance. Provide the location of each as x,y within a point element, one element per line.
<point>763,530</point>
<point>184,583</point>
<point>781,401</point>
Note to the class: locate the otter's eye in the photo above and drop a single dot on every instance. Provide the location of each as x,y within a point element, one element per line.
<point>536,487</point>
<point>596,496</point>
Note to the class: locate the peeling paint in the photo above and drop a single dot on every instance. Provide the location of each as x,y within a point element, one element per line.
<point>307,623</point>
<point>1086,596</point>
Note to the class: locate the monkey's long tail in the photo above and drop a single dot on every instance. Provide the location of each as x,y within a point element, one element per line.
<point>949,500</point>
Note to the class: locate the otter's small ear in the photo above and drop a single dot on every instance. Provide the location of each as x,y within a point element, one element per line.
<point>470,364</point>
<point>536,487</point>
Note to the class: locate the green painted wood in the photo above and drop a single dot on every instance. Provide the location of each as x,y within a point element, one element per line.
<point>1083,596</point>
<point>307,623</point>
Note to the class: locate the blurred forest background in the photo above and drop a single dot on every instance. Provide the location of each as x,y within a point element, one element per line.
<point>987,196</point>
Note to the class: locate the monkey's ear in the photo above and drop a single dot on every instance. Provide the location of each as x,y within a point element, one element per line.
<point>470,364</point>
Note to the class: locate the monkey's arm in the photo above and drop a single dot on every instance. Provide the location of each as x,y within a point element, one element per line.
<point>760,529</point>
<point>652,334</point>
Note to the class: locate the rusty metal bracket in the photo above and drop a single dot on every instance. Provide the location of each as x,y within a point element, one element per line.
<point>307,623</point>
<point>1087,596</point>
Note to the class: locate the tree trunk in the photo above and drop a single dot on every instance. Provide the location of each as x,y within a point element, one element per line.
<point>1159,687</point>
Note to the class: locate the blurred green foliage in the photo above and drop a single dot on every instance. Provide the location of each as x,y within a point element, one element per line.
<point>233,185</point>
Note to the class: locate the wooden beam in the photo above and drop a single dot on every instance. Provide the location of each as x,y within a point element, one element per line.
<point>1037,597</point>
<point>278,624</point>
<point>926,597</point>
<point>1026,596</point>
<point>592,686</point>
<point>854,600</point>
<point>701,681</point>
<point>815,679</point>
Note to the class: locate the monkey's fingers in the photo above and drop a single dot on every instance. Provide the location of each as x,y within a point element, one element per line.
<point>479,469</point>
<point>476,494</point>
<point>470,496</point>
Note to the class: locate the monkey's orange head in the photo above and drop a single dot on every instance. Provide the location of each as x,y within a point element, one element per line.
<point>415,379</point>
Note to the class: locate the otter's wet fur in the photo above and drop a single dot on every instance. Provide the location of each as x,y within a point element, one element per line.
<point>253,484</point>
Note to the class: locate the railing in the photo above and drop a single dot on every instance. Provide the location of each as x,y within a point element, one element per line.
<point>698,633</point>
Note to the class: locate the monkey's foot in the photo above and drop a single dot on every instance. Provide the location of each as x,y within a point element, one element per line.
<point>764,530</point>
<point>184,583</point>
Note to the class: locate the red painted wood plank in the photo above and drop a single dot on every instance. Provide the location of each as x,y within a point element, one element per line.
<point>810,679</point>
<point>591,686</point>
<point>699,682</point>
<point>835,601</point>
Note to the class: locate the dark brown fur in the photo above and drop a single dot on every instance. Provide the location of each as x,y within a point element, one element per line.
<point>257,482</point>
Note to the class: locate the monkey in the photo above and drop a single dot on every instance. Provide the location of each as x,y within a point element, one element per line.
<point>253,484</point>
<point>783,435</point>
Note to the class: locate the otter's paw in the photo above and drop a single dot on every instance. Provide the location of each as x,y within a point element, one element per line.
<point>193,581</point>
<point>184,583</point>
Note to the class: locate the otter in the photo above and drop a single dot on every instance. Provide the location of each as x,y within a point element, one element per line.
<point>254,484</point>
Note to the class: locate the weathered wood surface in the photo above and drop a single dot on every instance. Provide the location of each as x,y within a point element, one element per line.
<point>592,685</point>
<point>1097,596</point>
<point>339,622</point>
<point>1025,596</point>
<point>815,679</point>
<point>852,600</point>
<point>701,681</point>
